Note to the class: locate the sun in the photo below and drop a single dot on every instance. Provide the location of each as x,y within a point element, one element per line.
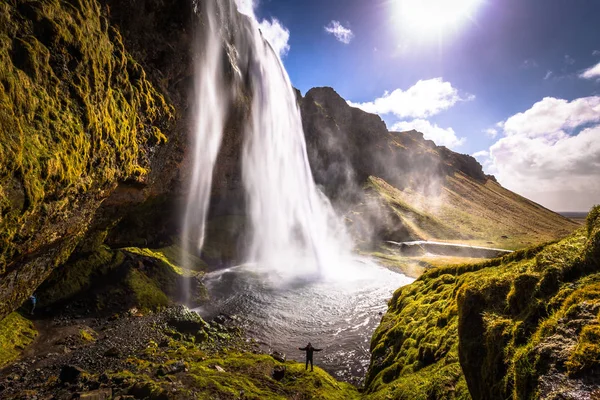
<point>430,18</point>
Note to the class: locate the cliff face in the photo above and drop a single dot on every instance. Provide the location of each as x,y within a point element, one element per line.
<point>79,116</point>
<point>398,186</point>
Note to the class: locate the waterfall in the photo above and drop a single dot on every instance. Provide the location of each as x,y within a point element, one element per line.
<point>293,226</point>
<point>210,109</point>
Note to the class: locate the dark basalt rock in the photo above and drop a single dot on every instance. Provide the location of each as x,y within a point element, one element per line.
<point>278,372</point>
<point>70,374</point>
<point>186,321</point>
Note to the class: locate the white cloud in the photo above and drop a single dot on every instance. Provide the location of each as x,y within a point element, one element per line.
<point>548,75</point>
<point>481,154</point>
<point>491,132</point>
<point>441,136</point>
<point>551,117</point>
<point>424,99</point>
<point>596,53</point>
<point>273,31</point>
<point>551,153</point>
<point>569,60</point>
<point>591,73</point>
<point>277,35</point>
<point>340,32</point>
<point>529,64</point>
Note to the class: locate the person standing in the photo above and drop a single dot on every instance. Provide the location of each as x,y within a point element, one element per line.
<point>33,300</point>
<point>309,349</point>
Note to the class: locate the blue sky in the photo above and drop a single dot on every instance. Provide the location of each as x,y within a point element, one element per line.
<point>493,63</point>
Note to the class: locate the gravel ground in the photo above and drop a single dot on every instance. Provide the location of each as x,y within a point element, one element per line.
<point>66,345</point>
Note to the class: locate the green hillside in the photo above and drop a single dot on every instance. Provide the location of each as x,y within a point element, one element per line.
<point>524,326</point>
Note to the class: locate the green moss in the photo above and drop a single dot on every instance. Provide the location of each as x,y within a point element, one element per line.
<point>592,218</point>
<point>147,295</point>
<point>587,354</point>
<point>76,112</point>
<point>168,257</point>
<point>77,276</point>
<point>87,335</point>
<point>16,333</point>
<point>496,324</point>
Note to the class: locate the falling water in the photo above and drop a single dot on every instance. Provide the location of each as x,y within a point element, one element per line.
<point>210,106</point>
<point>294,227</point>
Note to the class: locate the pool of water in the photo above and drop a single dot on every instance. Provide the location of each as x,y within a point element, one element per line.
<point>286,311</point>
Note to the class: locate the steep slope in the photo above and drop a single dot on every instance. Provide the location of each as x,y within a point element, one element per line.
<point>398,186</point>
<point>524,327</point>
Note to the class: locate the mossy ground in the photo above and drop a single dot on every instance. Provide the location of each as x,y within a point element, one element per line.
<point>493,325</point>
<point>16,333</point>
<point>227,373</point>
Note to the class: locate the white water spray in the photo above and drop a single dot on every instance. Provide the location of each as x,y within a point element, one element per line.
<point>294,228</point>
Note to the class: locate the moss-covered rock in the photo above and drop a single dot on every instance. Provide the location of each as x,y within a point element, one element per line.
<point>77,116</point>
<point>523,326</point>
<point>16,333</point>
<point>117,280</point>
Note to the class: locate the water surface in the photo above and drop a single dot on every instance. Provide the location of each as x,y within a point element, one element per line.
<point>338,314</point>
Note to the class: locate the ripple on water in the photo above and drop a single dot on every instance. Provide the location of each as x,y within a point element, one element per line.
<point>338,315</point>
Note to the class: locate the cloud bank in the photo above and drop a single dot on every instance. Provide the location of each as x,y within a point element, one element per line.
<point>341,33</point>
<point>277,35</point>
<point>551,153</point>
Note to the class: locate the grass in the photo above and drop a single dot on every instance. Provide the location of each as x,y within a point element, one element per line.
<point>16,333</point>
<point>220,367</point>
<point>494,326</point>
<point>466,211</point>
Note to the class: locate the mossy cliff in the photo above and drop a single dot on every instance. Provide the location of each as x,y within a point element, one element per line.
<point>78,115</point>
<point>524,326</point>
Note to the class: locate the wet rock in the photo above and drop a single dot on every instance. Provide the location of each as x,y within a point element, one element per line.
<point>201,336</point>
<point>278,356</point>
<point>278,372</point>
<point>186,321</point>
<point>100,394</point>
<point>171,369</point>
<point>70,374</point>
<point>147,391</point>
<point>222,319</point>
<point>112,352</point>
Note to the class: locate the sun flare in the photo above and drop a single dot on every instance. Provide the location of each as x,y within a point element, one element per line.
<point>434,17</point>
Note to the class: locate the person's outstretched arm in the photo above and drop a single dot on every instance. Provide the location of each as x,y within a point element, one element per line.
<point>317,349</point>
<point>302,348</point>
